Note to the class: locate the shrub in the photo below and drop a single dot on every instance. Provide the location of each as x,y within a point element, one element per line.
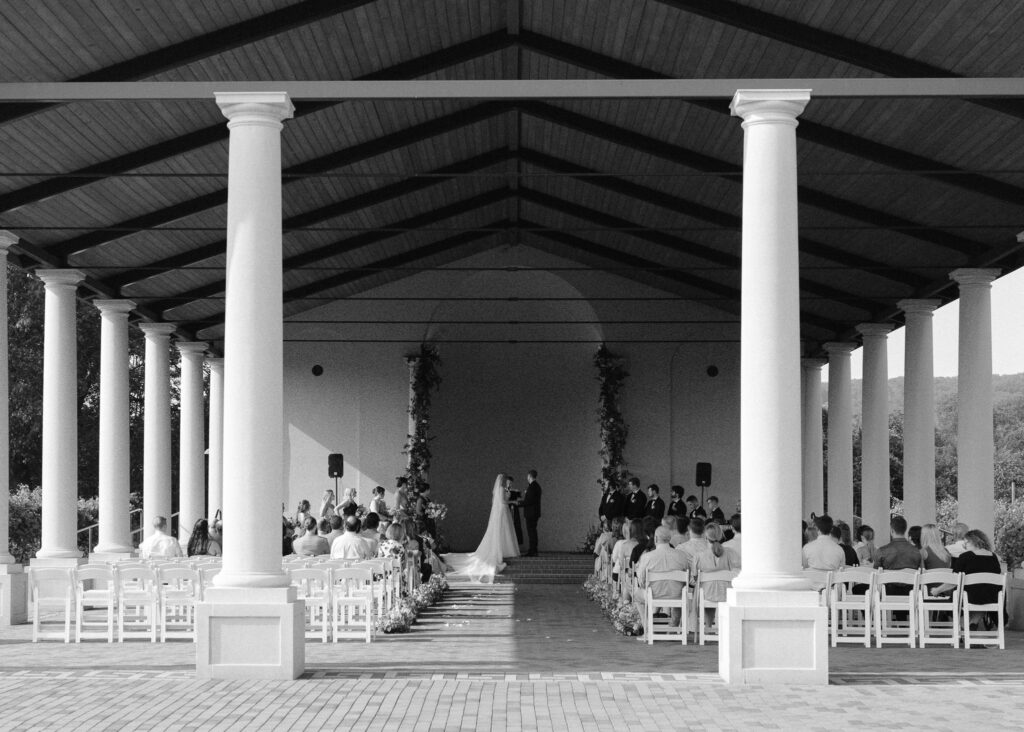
<point>1009,533</point>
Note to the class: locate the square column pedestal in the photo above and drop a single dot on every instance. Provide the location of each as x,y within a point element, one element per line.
<point>768,637</point>
<point>13,594</point>
<point>250,633</point>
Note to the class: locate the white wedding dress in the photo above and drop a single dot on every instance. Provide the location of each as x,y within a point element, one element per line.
<point>499,542</point>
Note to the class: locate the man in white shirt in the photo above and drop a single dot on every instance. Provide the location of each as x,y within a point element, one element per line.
<point>823,553</point>
<point>310,544</point>
<point>733,546</point>
<point>335,531</point>
<point>159,545</point>
<point>695,545</point>
<point>350,545</point>
<point>663,558</point>
<point>672,524</point>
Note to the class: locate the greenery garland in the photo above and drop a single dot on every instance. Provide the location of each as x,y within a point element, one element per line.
<point>425,379</point>
<point>611,374</point>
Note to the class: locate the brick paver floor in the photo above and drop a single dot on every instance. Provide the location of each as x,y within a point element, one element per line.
<point>533,657</point>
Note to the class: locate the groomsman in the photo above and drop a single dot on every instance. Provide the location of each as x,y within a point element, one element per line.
<point>613,504</point>
<point>717,514</point>
<point>655,506</point>
<point>636,501</point>
<point>694,509</point>
<point>677,507</point>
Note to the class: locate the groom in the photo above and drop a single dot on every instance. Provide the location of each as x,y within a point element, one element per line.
<point>531,510</point>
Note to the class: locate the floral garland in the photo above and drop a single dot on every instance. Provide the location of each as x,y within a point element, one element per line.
<point>425,379</point>
<point>611,374</point>
<point>624,616</point>
<point>399,619</point>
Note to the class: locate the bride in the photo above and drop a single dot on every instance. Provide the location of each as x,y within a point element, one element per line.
<point>499,541</point>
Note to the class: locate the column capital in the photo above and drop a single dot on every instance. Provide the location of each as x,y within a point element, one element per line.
<point>760,106</point>
<point>869,330</point>
<point>157,330</point>
<point>60,277</point>
<point>916,306</point>
<point>974,276</point>
<point>813,363</point>
<point>192,347</point>
<point>216,364</point>
<point>114,306</point>
<point>7,240</point>
<point>255,108</point>
<point>840,348</point>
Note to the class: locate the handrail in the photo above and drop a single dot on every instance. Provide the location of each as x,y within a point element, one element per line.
<point>88,530</point>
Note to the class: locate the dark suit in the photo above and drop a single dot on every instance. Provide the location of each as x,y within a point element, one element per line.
<point>531,512</point>
<point>697,512</point>
<point>718,516</point>
<point>677,508</point>
<point>656,508</point>
<point>613,504</point>
<point>636,505</point>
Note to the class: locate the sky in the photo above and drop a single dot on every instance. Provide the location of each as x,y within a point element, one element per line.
<point>1007,334</point>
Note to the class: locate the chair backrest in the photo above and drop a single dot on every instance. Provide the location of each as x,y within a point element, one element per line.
<point>346,574</point>
<point>897,577</point>
<point>208,572</point>
<point>853,575</point>
<point>940,577</point>
<point>338,563</point>
<point>90,572</point>
<point>985,578</point>
<point>821,576</point>
<point>178,577</point>
<point>136,575</point>
<point>676,575</point>
<point>311,578</point>
<point>50,582</point>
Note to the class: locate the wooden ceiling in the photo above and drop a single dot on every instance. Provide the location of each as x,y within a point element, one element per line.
<point>894,193</point>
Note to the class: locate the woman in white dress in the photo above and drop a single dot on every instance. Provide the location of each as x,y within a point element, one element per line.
<point>499,542</point>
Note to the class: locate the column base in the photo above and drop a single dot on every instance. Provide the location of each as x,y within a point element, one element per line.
<point>773,638</point>
<point>13,595</point>
<point>110,556</point>
<point>250,633</point>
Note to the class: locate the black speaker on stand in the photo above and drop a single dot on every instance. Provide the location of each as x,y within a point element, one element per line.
<point>336,469</point>
<point>703,478</point>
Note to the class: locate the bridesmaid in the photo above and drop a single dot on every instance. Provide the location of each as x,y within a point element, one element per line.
<point>512,498</point>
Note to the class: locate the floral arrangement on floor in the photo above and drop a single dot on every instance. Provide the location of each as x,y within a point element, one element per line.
<point>624,616</point>
<point>593,534</point>
<point>424,379</point>
<point>611,374</point>
<point>400,618</point>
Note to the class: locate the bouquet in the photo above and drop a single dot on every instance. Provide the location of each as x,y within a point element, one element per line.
<point>436,511</point>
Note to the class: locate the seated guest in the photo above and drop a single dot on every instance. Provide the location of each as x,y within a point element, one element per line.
<point>159,545</point>
<point>370,532</point>
<point>694,509</point>
<point>914,536</point>
<point>623,548</point>
<point>865,546</point>
<point>286,540</point>
<point>655,506</point>
<point>323,528</point>
<point>695,545</point>
<point>662,558</point>
<point>716,514</point>
<point>898,553</point>
<point>677,506</point>
<point>823,552</point>
<point>377,504</point>
<point>310,544</point>
<point>959,545</point>
<point>933,553</point>
<point>976,557</point>
<point>646,541</point>
<point>200,544</point>
<point>678,529</point>
<point>393,543</point>
<point>714,559</point>
<point>606,538</point>
<point>336,529</point>
<point>350,545</point>
<point>301,514</point>
<point>841,536</point>
<point>734,545</point>
<point>636,501</point>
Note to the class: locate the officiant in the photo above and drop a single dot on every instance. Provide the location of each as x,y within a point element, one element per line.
<point>512,498</point>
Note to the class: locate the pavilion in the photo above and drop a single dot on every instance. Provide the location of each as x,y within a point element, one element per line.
<point>515,181</point>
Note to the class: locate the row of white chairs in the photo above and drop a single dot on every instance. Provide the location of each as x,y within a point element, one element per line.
<point>897,607</point>
<point>146,601</point>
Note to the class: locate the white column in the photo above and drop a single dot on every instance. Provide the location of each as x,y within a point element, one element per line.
<point>192,442</point>
<point>755,648</point>
<point>216,437</point>
<point>840,432</point>
<point>874,474</point>
<point>919,412</point>
<point>975,447</point>
<point>811,442</point>
<point>252,597</point>
<point>12,575</point>
<point>115,445</point>
<point>60,416</point>
<point>156,455</point>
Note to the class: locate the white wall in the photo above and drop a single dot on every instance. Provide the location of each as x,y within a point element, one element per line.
<point>510,407</point>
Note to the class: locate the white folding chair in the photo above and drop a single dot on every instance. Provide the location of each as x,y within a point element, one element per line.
<point>314,585</point>
<point>51,588</point>
<point>352,603</point>
<point>660,628</point>
<point>932,610</point>
<point>895,596</point>
<point>206,574</point>
<point>851,613</point>
<point>412,569</point>
<point>381,570</point>
<point>180,588</point>
<point>137,592</point>
<point>821,580</point>
<point>704,631</point>
<point>95,587</point>
<point>982,637</point>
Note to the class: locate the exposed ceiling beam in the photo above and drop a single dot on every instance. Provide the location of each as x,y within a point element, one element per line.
<point>203,46</point>
<point>845,142</point>
<point>826,43</point>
